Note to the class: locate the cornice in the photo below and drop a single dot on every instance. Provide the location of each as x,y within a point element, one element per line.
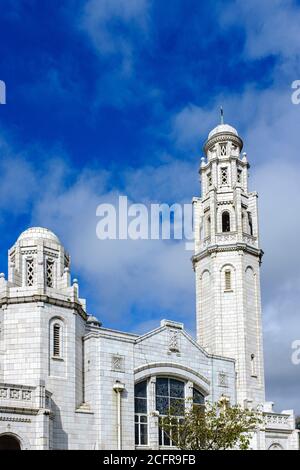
<point>224,248</point>
<point>35,298</point>
<point>224,137</point>
<point>23,411</point>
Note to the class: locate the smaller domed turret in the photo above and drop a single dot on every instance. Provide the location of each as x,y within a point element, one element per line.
<point>38,260</point>
<point>93,321</point>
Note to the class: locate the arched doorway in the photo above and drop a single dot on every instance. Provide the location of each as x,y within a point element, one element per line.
<point>275,446</point>
<point>9,442</point>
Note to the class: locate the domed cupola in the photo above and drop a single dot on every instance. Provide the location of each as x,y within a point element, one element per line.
<point>38,260</point>
<point>223,141</point>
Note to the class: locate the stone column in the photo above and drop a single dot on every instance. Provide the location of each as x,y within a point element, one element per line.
<point>152,415</point>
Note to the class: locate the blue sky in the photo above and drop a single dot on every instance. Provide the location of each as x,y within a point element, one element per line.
<point>110,97</point>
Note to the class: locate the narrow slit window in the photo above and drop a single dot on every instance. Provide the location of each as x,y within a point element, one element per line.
<point>208,226</point>
<point>56,340</point>
<point>227,280</point>
<point>250,223</point>
<point>253,366</point>
<point>30,272</point>
<point>239,176</point>
<point>209,180</point>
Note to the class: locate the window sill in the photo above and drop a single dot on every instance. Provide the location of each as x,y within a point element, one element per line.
<point>228,290</point>
<point>84,412</point>
<point>167,447</point>
<point>57,358</point>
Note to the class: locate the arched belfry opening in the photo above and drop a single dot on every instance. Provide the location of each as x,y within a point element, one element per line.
<point>225,221</point>
<point>9,442</point>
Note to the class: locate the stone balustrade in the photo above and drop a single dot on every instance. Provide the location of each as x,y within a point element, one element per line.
<point>278,421</point>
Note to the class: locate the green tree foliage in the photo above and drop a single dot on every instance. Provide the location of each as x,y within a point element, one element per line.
<point>216,426</point>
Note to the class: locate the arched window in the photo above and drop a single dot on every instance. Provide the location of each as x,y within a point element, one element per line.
<point>140,409</point>
<point>170,398</point>
<point>225,221</point>
<point>57,340</point>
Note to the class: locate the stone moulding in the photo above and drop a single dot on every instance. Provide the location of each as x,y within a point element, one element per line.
<point>45,299</point>
<point>224,137</point>
<point>178,370</point>
<point>219,249</point>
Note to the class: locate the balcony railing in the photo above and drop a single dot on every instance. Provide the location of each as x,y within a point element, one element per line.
<point>278,421</point>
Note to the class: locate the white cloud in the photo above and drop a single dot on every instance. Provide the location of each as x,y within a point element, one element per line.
<point>272,27</point>
<point>123,275</point>
<point>110,25</point>
<point>188,124</point>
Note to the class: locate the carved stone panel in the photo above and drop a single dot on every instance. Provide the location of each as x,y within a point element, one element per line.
<point>118,363</point>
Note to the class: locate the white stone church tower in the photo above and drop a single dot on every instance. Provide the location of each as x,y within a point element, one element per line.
<point>227,263</point>
<point>67,382</point>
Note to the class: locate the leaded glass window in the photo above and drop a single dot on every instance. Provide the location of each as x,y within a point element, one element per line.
<point>198,398</point>
<point>170,399</point>
<point>141,418</point>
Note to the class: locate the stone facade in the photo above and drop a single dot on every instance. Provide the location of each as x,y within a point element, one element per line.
<point>68,383</point>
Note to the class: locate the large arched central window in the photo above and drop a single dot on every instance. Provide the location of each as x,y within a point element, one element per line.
<point>169,399</point>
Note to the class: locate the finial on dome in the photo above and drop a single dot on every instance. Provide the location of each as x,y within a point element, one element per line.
<point>222,114</point>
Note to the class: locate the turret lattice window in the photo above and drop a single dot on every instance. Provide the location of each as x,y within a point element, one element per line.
<point>209,179</point>
<point>223,149</point>
<point>224,175</point>
<point>30,272</point>
<point>49,273</point>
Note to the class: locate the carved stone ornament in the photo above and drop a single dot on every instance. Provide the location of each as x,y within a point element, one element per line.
<point>174,340</point>
<point>117,363</point>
